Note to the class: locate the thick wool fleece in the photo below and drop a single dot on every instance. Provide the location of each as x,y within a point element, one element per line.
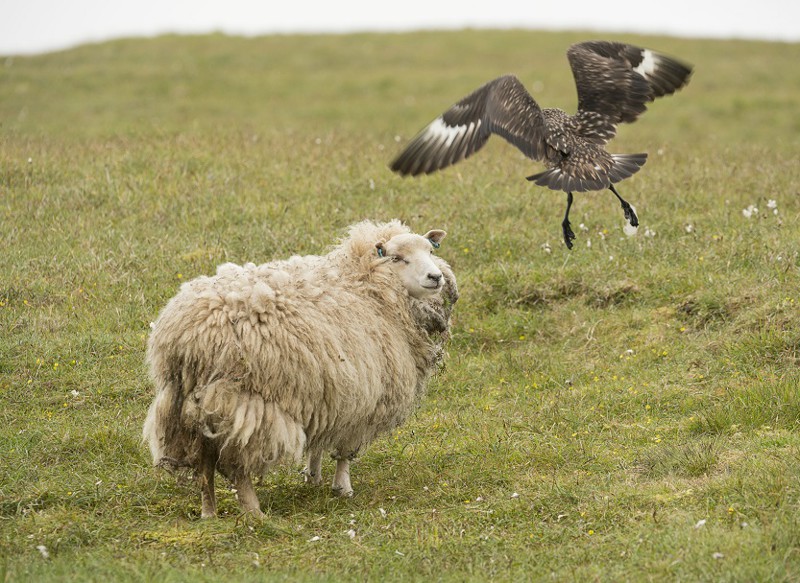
<point>260,362</point>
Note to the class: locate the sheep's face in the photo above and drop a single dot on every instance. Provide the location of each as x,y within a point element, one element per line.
<point>411,259</point>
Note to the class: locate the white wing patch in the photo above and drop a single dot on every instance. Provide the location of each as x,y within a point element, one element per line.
<point>439,131</point>
<point>649,63</point>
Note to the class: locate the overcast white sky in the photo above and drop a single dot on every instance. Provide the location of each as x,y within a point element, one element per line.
<point>34,26</point>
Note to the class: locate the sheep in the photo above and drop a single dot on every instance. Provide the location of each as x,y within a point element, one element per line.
<point>261,363</point>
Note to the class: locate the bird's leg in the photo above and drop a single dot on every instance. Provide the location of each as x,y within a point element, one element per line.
<point>569,236</point>
<point>630,214</point>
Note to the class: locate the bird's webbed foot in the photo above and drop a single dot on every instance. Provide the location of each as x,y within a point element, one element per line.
<point>569,236</point>
<point>630,214</point>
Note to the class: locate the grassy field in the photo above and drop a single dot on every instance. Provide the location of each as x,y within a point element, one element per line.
<point>625,411</point>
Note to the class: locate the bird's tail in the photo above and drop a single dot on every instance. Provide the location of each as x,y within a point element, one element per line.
<point>625,165</point>
<point>580,180</point>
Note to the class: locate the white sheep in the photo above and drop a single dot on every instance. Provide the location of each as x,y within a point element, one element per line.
<point>314,353</point>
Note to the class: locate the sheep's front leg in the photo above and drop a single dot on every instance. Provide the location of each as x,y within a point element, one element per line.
<point>341,481</point>
<point>247,495</point>
<point>313,471</point>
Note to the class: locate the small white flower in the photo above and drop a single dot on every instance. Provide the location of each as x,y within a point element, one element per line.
<point>546,247</point>
<point>750,211</point>
<point>351,533</point>
<point>371,184</point>
<point>629,351</point>
<point>689,228</point>
<point>514,495</point>
<point>611,258</point>
<point>700,523</point>
<point>718,555</point>
<point>152,325</point>
<point>397,139</point>
<point>648,232</point>
<point>43,549</point>
<point>30,160</point>
<point>583,227</point>
<point>318,141</point>
<point>479,499</point>
<point>313,539</point>
<point>383,512</point>
<point>771,204</point>
<point>588,243</point>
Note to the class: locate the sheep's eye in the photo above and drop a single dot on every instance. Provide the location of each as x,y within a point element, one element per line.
<point>398,259</point>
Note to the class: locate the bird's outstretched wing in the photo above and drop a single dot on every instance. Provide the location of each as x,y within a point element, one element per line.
<point>615,81</point>
<point>502,107</point>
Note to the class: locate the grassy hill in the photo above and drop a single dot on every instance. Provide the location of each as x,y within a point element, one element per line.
<point>625,411</point>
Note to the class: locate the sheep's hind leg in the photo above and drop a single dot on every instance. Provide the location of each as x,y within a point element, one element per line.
<point>247,495</point>
<point>341,481</point>
<point>313,471</point>
<point>208,466</point>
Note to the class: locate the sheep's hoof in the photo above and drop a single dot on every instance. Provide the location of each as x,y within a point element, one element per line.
<point>343,493</point>
<point>255,513</point>
<point>171,464</point>
<point>310,477</point>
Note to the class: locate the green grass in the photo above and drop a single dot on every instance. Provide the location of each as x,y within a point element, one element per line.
<point>596,405</point>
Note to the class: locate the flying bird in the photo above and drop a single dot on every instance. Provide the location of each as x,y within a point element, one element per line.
<point>615,81</point>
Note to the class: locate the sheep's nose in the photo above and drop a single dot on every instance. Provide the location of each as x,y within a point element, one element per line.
<point>436,277</point>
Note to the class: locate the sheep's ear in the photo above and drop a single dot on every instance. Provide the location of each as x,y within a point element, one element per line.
<point>381,249</point>
<point>435,237</point>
